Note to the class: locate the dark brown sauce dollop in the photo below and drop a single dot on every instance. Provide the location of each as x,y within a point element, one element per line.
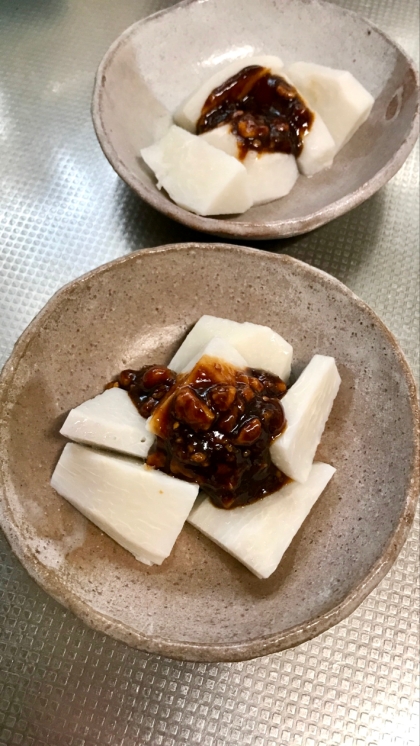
<point>147,386</point>
<point>214,426</point>
<point>264,111</point>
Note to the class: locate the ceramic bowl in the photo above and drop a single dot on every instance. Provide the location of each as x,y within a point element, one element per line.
<point>157,63</point>
<point>201,604</point>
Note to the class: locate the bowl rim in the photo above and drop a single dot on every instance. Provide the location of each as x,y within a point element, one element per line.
<point>192,651</point>
<point>227,227</point>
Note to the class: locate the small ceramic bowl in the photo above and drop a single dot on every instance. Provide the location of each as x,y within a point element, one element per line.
<point>201,604</point>
<point>157,63</point>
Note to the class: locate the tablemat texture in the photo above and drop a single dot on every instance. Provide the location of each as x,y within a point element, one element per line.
<point>64,211</point>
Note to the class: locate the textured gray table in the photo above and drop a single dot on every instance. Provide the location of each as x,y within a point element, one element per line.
<point>64,211</point>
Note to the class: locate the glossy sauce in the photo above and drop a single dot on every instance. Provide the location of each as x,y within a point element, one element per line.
<point>214,426</point>
<point>264,111</point>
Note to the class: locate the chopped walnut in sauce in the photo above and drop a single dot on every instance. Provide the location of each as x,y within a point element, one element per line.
<point>213,426</point>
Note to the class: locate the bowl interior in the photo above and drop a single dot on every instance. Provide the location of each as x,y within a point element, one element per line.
<point>201,603</point>
<point>158,62</point>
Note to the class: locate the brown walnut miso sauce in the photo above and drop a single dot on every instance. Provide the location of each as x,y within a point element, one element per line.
<point>264,111</point>
<point>213,426</point>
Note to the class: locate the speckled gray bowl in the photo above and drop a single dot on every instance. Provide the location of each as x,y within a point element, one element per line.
<point>201,604</point>
<point>158,62</point>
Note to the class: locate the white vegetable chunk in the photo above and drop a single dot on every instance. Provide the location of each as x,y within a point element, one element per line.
<point>189,112</point>
<point>258,534</point>
<point>307,406</point>
<point>222,138</point>
<point>109,420</point>
<point>197,176</point>
<point>260,346</point>
<point>318,148</point>
<point>342,102</point>
<point>218,348</point>
<point>142,509</point>
<point>271,175</point>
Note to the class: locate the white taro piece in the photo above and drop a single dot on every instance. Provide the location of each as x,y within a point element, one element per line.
<point>260,346</point>
<point>109,420</point>
<point>318,148</point>
<point>222,138</point>
<point>342,102</point>
<point>141,508</point>
<point>197,176</point>
<point>307,406</point>
<point>270,175</point>
<point>258,534</point>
